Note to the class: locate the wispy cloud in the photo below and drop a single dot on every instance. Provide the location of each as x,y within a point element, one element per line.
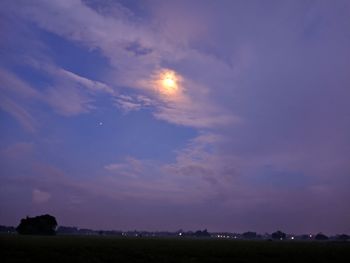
<point>19,113</point>
<point>69,95</point>
<point>116,37</point>
<point>94,86</point>
<point>14,93</point>
<point>130,167</point>
<point>264,85</point>
<point>12,85</point>
<point>68,101</point>
<point>127,103</point>
<point>39,196</point>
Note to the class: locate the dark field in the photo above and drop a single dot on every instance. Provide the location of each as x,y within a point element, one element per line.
<point>110,249</point>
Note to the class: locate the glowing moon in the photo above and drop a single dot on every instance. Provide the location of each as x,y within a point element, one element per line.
<point>168,82</point>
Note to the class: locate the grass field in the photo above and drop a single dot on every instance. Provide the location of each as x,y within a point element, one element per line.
<point>111,249</point>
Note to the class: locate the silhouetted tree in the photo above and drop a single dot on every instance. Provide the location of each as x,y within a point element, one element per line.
<point>305,237</point>
<point>278,235</point>
<point>321,236</point>
<point>67,230</point>
<point>343,237</point>
<point>39,225</point>
<point>7,229</point>
<point>203,233</point>
<point>249,235</point>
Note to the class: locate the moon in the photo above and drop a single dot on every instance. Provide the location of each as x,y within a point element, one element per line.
<point>168,82</point>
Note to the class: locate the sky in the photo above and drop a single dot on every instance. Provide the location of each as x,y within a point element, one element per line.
<point>166,115</point>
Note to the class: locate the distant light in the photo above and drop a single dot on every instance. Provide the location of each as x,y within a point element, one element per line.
<point>292,238</point>
<point>100,123</point>
<point>235,237</point>
<point>310,236</point>
<point>180,234</point>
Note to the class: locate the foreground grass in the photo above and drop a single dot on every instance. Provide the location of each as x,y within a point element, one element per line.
<point>112,249</point>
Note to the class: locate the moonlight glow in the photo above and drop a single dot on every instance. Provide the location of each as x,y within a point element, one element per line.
<point>168,82</point>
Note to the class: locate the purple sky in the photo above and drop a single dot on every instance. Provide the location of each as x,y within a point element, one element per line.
<point>256,135</point>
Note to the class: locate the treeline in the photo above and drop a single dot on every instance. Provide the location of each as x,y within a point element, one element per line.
<point>278,235</point>
<point>47,225</point>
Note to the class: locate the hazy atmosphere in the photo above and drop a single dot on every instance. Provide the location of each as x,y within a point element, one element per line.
<point>167,115</point>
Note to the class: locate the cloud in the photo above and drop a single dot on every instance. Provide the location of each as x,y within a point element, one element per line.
<point>14,86</point>
<point>39,196</point>
<point>14,94</point>
<point>265,86</point>
<point>201,159</point>
<point>69,95</point>
<point>127,103</point>
<point>68,101</point>
<point>18,150</point>
<point>192,116</point>
<point>149,180</point>
<point>26,120</point>
<point>94,86</point>
<point>118,35</point>
<point>131,167</point>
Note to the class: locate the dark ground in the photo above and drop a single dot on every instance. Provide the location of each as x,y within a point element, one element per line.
<point>14,248</point>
